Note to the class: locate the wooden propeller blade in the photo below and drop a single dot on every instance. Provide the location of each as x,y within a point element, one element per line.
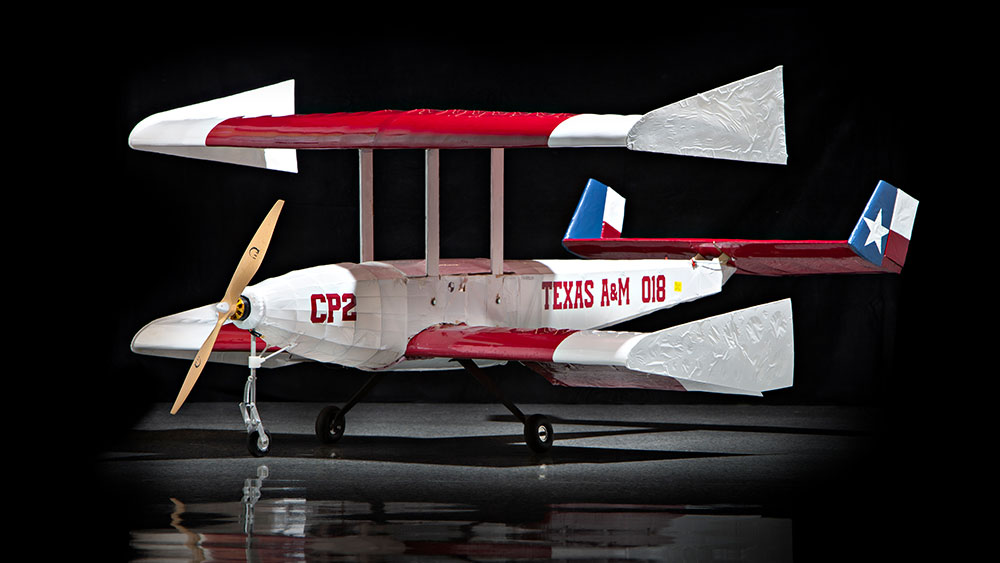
<point>198,364</point>
<point>245,271</point>
<point>253,255</point>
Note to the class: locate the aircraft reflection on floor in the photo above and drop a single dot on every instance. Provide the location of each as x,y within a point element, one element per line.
<point>465,451</point>
<point>266,524</point>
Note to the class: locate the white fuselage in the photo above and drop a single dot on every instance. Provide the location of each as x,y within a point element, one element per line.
<point>363,315</point>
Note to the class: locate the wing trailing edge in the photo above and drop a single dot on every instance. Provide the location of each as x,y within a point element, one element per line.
<point>743,352</point>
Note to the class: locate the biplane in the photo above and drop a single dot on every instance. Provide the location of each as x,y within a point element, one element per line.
<point>554,315</point>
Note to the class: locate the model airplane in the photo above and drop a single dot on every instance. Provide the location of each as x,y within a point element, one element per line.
<point>431,314</point>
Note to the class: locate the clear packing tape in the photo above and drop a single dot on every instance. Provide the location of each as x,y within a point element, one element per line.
<point>751,349</point>
<point>744,120</point>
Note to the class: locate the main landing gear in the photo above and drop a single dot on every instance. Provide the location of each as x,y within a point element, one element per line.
<point>538,433</point>
<point>330,422</point>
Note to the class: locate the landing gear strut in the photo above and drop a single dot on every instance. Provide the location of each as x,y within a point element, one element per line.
<point>330,423</point>
<point>538,433</point>
<point>258,438</point>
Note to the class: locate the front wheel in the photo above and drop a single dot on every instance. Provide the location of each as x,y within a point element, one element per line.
<point>259,444</point>
<point>538,433</point>
<point>330,425</point>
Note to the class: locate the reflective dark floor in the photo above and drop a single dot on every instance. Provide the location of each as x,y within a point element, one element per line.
<point>433,482</point>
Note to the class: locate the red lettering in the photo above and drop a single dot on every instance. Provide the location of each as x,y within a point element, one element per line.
<point>333,303</point>
<point>546,287</point>
<point>623,290</point>
<point>349,313</point>
<point>568,288</point>
<point>580,294</point>
<point>315,316</point>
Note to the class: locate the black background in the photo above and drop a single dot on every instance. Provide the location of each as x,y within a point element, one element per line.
<point>126,237</point>
<point>141,235</point>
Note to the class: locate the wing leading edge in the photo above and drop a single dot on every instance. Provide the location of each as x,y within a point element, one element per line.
<point>878,243</point>
<point>744,352</point>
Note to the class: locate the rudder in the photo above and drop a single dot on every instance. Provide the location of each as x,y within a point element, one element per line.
<point>600,213</point>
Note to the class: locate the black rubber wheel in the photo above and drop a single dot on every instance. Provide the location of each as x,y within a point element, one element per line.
<point>254,444</point>
<point>329,425</point>
<point>538,433</point>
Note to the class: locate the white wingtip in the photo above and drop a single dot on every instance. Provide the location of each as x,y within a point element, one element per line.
<point>182,131</point>
<point>743,120</point>
<point>750,350</point>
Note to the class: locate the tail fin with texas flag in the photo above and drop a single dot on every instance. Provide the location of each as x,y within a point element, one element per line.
<point>599,214</point>
<point>883,232</point>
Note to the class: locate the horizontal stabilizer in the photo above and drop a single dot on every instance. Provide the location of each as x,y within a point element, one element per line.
<point>745,352</point>
<point>878,243</point>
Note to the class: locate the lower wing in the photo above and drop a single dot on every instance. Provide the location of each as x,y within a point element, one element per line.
<point>744,352</point>
<point>182,334</point>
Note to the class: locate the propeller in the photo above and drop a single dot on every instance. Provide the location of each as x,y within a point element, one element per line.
<point>245,271</point>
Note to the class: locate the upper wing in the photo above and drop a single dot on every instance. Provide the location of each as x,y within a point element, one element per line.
<point>743,352</point>
<point>878,243</point>
<point>743,120</point>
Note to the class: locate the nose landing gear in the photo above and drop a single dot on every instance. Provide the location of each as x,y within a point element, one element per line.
<point>258,438</point>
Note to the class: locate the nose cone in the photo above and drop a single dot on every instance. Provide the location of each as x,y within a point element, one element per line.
<point>250,310</point>
<point>346,314</point>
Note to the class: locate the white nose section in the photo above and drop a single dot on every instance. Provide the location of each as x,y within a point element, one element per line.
<point>256,305</point>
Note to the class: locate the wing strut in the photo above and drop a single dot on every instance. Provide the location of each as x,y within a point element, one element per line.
<point>432,200</point>
<point>496,211</point>
<point>366,204</point>
<point>432,205</point>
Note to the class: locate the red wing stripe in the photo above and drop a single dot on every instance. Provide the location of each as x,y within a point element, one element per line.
<point>233,339</point>
<point>421,128</point>
<point>755,257</point>
<point>487,343</point>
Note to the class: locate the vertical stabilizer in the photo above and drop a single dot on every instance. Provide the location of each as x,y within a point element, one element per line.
<point>884,229</point>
